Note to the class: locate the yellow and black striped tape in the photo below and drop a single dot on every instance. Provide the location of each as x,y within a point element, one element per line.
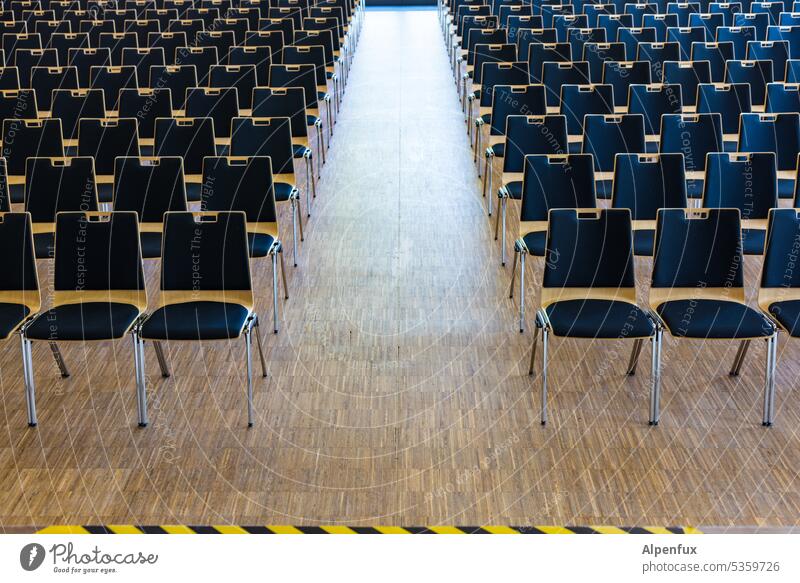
<point>283,529</point>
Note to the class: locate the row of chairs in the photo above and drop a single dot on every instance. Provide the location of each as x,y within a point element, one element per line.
<point>653,157</point>
<point>180,175</point>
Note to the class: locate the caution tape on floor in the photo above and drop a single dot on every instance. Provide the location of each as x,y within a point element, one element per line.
<point>281,529</point>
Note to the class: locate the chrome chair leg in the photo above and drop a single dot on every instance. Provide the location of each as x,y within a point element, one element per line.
<point>62,366</point>
<point>283,276</point>
<point>545,335</point>
<point>738,360</point>
<point>533,350</point>
<point>513,276</point>
<point>249,353</point>
<point>141,379</point>
<point>161,358</point>
<point>522,291</point>
<point>27,377</point>
<point>503,209</point>
<point>634,360</point>
<point>769,386</point>
<point>275,292</point>
<point>309,178</point>
<point>260,350</point>
<point>300,218</point>
<point>655,377</point>
<point>497,221</point>
<point>294,229</point>
<point>489,193</point>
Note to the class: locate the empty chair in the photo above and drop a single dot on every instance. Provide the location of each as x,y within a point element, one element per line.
<point>660,22</point>
<point>729,100</point>
<point>631,37</point>
<point>259,57</point>
<point>698,270</point>
<point>656,54</point>
<point>688,74</point>
<point>104,140</point>
<point>774,132</point>
<point>604,137</point>
<point>579,100</point>
<point>145,105</point>
<point>554,75</point>
<point>747,182</point>
<point>694,136</point>
<point>70,105</point>
<point>112,80</point>
<point>272,137</point>
<point>190,138</point>
<point>739,36</point>
<point>578,37</point>
<point>177,79</point>
<point>525,135</point>
<point>653,101</point>
<point>683,10</point>
<point>539,54</point>
<point>170,42</point>
<point>685,37</point>
<point>202,57</point>
<point>644,183</point>
<point>18,104</point>
<point>116,42</point>
<point>511,73</point>
<point>757,74</point>
<point>561,181</point>
<point>98,291</point>
<point>63,43</point>
<point>591,292</point>
<point>245,184</point>
<point>789,34</point>
<point>54,185</point>
<point>621,75</point>
<point>782,98</point>
<point>221,105</point>
<point>596,54</point>
<point>717,54</point>
<point>240,77</point>
<point>26,59</point>
<point>45,79</point>
<point>143,59</point>
<point>149,187</point>
<point>221,40</point>
<point>206,291</point>
<point>776,51</point>
<point>28,138</point>
<point>84,59</point>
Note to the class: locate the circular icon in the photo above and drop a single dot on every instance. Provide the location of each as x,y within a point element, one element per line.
<point>31,556</point>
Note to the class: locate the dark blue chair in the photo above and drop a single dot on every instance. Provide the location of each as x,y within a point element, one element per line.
<point>748,182</point>
<point>688,74</point>
<point>217,305</point>
<point>637,12</point>
<point>656,54</point>
<point>613,22</point>
<point>682,10</point>
<point>577,37</point>
<point>717,54</point>
<point>596,54</point>
<point>555,75</point>
<point>790,34</point>
<point>631,37</point>
<point>757,74</point>
<point>694,136</point>
<point>728,100</point>
<point>792,71</point>
<point>539,54</point>
<point>549,182</point>
<point>708,20</point>
<point>106,139</point>
<point>563,22</point>
<point>644,183</point>
<point>783,98</point>
<point>697,289</point>
<point>776,51</point>
<point>759,22</point>
<point>31,138</point>
<point>774,132</point>
<point>726,9</point>
<point>685,37</point>
<point>653,101</point>
<point>621,75</point>
<point>739,36</point>
<point>661,22</point>
<point>590,291</point>
<point>579,100</point>
<point>604,137</point>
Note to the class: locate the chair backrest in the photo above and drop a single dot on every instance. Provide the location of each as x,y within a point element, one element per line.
<point>23,139</point>
<point>541,53</point>
<point>579,100</point>
<point>780,280</point>
<point>45,79</point>
<point>296,76</point>
<point>26,59</point>
<point>177,79</point>
<point>270,137</point>
<point>314,54</point>
<point>772,132</point>
<point>241,184</point>
<point>259,57</point>
<point>105,139</point>
<point>563,181</point>
<point>698,253</point>
<point>206,252</point>
<point>499,73</point>
<point>631,37</point>
<point>653,101</point>
<point>515,100</point>
<point>240,77</point>
<point>717,54</point>
<point>111,80</point>
<point>84,59</point>
<point>149,187</point>
<point>776,51</point>
<point>727,99</point>
<point>202,57</point>
<point>53,185</point>
<point>782,98</point>
<point>539,134</point>
<point>622,74</point>
<point>596,54</point>
<point>757,74</point>
<point>657,54</point>
<point>18,104</point>
<point>554,75</point>
<point>282,102</point>
<point>748,182</point>
<point>222,40</point>
<point>191,138</point>
<point>693,135</point>
<point>19,282</point>
<point>221,105</point>
<point>494,53</point>
<point>527,37</point>
<point>605,136</point>
<point>685,37</point>
<point>145,105</point>
<point>660,22</point>
<point>98,258</point>
<point>687,74</point>
<point>577,37</point>
<point>644,183</point>
<point>594,251</point>
<point>70,105</point>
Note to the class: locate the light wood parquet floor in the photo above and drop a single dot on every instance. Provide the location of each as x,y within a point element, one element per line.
<point>397,389</point>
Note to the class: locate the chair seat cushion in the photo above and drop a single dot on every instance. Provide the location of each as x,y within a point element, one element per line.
<point>514,189</point>
<point>785,188</point>
<point>11,316</point>
<point>196,321</point>
<point>694,188</point>
<point>259,244</point>
<point>574,148</point>
<point>603,188</point>
<point>714,319</point>
<point>499,150</point>
<point>788,314</point>
<point>753,241</point>
<point>105,192</point>
<point>644,241</point>
<point>43,245</point>
<point>282,191</point>
<point>534,242</point>
<point>87,321</point>
<point>311,120</point>
<point>599,319</point>
<point>16,193</point>
<point>298,150</point>
<point>151,245</point>
<point>487,118</point>
<point>194,191</point>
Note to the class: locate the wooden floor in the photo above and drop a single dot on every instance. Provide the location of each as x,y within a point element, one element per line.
<point>397,389</point>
